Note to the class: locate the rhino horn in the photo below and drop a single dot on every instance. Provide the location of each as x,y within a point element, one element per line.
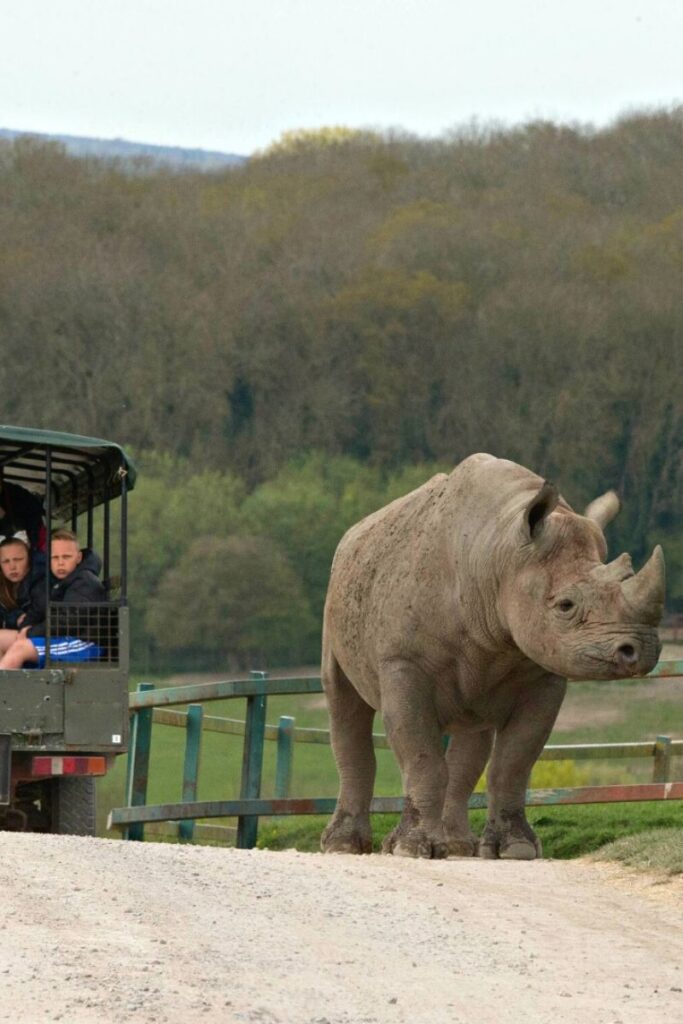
<point>603,509</point>
<point>644,592</point>
<point>540,507</point>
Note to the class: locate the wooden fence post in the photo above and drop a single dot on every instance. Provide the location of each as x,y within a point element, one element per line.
<point>193,746</point>
<point>662,767</point>
<point>252,764</point>
<point>285,752</point>
<point>137,770</point>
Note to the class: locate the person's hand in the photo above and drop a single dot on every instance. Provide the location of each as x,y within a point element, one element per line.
<point>23,633</point>
<point>21,618</point>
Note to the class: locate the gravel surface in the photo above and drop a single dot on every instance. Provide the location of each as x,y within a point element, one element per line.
<point>105,931</point>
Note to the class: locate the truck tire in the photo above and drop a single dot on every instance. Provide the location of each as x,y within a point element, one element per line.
<point>73,806</point>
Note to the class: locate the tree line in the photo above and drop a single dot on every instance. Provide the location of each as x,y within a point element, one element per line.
<point>369,300</point>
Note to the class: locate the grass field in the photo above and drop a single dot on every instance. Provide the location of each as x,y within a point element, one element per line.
<point>565,832</point>
<point>592,713</point>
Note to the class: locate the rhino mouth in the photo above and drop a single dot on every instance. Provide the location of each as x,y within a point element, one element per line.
<point>627,657</point>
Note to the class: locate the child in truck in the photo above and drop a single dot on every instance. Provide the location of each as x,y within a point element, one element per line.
<point>21,573</point>
<point>73,581</point>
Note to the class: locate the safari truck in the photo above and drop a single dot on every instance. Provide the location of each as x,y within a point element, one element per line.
<point>64,724</point>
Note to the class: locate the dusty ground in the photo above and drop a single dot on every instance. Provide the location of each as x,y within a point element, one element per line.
<point>97,930</point>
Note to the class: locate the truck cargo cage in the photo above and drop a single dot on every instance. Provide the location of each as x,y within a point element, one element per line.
<point>84,633</point>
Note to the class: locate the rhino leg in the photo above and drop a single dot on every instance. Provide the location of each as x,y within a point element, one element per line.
<point>466,759</point>
<point>351,732</point>
<point>415,737</point>
<point>518,744</point>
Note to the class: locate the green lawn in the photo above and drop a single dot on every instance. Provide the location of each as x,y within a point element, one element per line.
<point>618,712</point>
<point>659,850</point>
<point>566,832</point>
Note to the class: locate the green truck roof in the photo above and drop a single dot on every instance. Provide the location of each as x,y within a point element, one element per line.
<point>85,470</point>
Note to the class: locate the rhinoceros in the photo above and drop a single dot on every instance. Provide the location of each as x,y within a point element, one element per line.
<point>461,610</point>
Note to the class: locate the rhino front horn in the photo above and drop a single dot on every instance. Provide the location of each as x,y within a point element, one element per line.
<point>644,592</point>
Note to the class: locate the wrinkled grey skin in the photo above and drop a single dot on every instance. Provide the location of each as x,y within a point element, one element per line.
<point>462,608</point>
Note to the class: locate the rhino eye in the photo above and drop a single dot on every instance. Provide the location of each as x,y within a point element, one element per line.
<point>565,605</point>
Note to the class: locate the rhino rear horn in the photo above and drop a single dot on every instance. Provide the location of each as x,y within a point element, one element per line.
<point>644,592</point>
<point>540,507</point>
<point>603,509</point>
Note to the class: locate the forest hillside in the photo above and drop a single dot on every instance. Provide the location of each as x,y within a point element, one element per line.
<point>288,343</point>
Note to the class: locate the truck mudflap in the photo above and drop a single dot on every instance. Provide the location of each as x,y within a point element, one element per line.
<point>5,768</point>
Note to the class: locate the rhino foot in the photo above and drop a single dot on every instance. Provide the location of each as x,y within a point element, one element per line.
<point>462,846</point>
<point>347,834</point>
<point>415,842</point>
<point>510,837</point>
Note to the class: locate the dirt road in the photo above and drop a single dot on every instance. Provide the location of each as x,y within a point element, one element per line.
<point>99,930</point>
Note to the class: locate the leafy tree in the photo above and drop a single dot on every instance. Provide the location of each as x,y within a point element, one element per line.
<point>236,599</point>
<point>171,507</point>
<point>299,139</point>
<point>302,510</point>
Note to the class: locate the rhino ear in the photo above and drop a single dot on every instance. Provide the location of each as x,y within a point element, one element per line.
<point>539,508</point>
<point>603,510</point>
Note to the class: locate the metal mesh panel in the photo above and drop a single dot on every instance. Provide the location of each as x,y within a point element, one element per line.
<point>83,633</point>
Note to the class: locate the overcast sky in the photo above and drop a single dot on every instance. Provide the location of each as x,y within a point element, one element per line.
<point>232,76</point>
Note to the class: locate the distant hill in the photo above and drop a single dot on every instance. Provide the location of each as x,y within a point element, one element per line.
<point>120,149</point>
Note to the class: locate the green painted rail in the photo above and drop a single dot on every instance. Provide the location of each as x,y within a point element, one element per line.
<point>384,804</point>
<point>150,706</point>
<point>258,685</point>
